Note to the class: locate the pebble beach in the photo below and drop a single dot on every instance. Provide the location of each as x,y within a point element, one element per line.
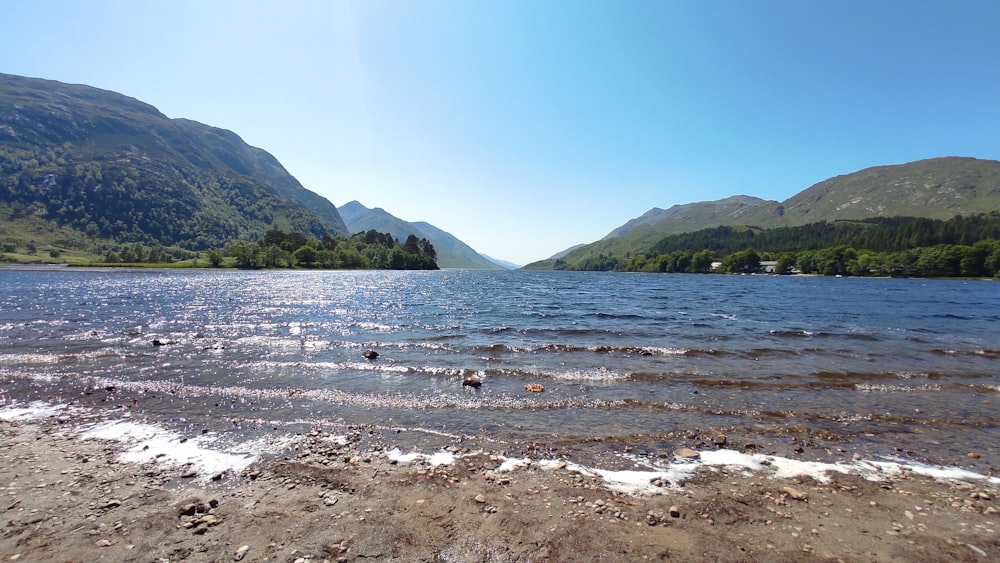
<point>71,496</point>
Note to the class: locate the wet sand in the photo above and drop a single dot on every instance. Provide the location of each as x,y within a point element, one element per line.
<point>70,499</point>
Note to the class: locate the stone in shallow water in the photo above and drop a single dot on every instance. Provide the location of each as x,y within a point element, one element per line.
<point>686,453</point>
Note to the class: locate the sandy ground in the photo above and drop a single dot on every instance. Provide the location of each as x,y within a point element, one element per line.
<point>69,499</point>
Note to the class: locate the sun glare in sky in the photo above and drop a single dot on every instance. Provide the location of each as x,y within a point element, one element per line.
<point>524,128</point>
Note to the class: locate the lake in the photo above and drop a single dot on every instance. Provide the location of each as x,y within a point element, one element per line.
<point>629,363</point>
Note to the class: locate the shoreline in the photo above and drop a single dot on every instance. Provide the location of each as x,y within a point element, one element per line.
<point>76,498</point>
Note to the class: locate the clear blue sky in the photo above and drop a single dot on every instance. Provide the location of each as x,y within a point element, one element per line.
<point>525,127</point>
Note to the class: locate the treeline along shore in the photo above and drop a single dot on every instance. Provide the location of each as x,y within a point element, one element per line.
<point>964,246</point>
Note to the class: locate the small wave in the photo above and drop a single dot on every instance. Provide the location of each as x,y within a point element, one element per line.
<point>969,352</point>
<point>628,316</point>
<point>746,384</point>
<point>861,336</point>
<point>882,388</point>
<point>791,333</point>
<point>953,316</point>
<point>30,358</point>
<point>727,316</point>
<point>609,349</point>
<point>596,374</point>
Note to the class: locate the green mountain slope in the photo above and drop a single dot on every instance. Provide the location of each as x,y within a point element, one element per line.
<point>114,168</point>
<point>738,209</point>
<point>451,252</point>
<point>937,188</point>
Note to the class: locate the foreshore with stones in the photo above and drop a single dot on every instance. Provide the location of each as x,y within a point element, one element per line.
<point>69,499</point>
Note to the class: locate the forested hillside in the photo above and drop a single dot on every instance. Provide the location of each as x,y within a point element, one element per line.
<point>936,188</point>
<point>904,246</point>
<point>112,169</point>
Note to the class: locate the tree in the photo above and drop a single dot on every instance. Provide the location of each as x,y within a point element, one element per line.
<point>785,263</point>
<point>248,255</point>
<point>306,256</point>
<point>743,262</point>
<point>701,262</point>
<point>215,257</point>
<point>412,245</point>
<point>427,249</point>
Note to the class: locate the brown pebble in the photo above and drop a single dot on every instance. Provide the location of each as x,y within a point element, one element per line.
<point>795,494</point>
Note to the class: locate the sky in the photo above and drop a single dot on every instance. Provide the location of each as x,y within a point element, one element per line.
<point>524,127</point>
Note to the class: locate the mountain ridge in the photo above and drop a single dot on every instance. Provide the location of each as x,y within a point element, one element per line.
<point>451,252</point>
<point>934,188</point>
<point>117,169</point>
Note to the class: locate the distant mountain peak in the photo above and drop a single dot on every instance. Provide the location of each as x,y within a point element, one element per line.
<point>451,252</point>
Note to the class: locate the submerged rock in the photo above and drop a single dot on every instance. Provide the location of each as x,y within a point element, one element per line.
<point>472,381</point>
<point>370,354</point>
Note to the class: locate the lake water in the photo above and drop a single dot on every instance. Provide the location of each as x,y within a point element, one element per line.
<point>630,363</point>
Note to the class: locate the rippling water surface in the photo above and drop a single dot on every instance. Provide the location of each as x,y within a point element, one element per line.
<point>644,362</point>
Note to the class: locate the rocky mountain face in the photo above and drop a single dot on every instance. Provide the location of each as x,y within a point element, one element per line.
<point>116,168</point>
<point>451,252</point>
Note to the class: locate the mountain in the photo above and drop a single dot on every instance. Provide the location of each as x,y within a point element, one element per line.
<point>502,263</point>
<point>451,252</point>
<point>114,168</point>
<point>692,216</point>
<point>937,188</point>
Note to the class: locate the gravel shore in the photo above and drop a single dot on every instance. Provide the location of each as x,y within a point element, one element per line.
<point>72,499</point>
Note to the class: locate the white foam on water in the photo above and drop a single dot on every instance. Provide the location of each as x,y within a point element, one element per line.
<point>512,463</point>
<point>550,464</point>
<point>634,482</point>
<point>897,467</point>
<point>435,459</point>
<point>338,440</point>
<point>33,411</point>
<point>146,443</point>
<point>640,482</point>
<point>441,458</point>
